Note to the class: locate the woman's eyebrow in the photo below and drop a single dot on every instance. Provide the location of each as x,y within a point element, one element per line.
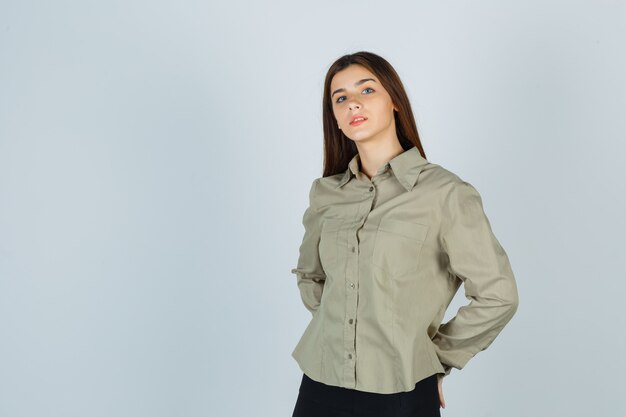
<point>355,84</point>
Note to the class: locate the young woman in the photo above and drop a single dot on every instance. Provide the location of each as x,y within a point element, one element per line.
<point>389,238</point>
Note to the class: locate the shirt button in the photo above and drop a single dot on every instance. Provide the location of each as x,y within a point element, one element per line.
<point>352,285</point>
<point>353,249</point>
<point>350,321</point>
<point>371,188</point>
<point>349,355</point>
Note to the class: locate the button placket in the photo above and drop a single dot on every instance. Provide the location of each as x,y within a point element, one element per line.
<point>351,307</point>
<point>349,370</point>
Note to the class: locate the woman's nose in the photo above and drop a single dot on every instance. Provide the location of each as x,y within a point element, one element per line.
<point>354,105</point>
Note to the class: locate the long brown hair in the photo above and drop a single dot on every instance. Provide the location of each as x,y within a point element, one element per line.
<point>338,148</point>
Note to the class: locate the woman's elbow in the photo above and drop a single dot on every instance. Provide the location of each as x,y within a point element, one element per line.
<point>511,301</point>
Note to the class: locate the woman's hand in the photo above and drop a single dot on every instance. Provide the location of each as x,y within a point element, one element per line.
<point>442,402</point>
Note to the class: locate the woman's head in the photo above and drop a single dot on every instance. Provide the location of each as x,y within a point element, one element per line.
<point>365,84</point>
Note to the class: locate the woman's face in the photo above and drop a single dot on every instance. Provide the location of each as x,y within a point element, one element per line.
<point>355,91</point>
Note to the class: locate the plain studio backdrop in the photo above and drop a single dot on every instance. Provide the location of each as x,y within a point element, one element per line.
<point>155,163</point>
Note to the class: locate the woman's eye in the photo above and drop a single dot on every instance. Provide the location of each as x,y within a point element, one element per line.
<point>339,100</point>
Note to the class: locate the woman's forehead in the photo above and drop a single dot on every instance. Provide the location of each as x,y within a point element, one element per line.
<point>348,76</point>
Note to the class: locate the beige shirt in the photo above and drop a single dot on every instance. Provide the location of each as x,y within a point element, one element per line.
<point>381,260</point>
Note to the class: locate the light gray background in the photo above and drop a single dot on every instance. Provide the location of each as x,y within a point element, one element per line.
<point>155,161</point>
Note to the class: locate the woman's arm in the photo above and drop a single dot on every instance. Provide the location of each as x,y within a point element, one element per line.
<point>476,257</point>
<point>309,272</point>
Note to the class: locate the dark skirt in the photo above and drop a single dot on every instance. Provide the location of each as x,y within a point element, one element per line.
<point>316,399</point>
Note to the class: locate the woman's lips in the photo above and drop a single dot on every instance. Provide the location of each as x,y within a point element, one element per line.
<point>358,122</point>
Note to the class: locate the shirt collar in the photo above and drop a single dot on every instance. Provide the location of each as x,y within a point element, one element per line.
<point>405,166</point>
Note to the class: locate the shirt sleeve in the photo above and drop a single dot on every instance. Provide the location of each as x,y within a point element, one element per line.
<point>476,257</point>
<point>309,272</point>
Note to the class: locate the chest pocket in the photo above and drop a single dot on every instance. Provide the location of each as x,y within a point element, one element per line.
<point>398,245</point>
<point>329,247</point>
